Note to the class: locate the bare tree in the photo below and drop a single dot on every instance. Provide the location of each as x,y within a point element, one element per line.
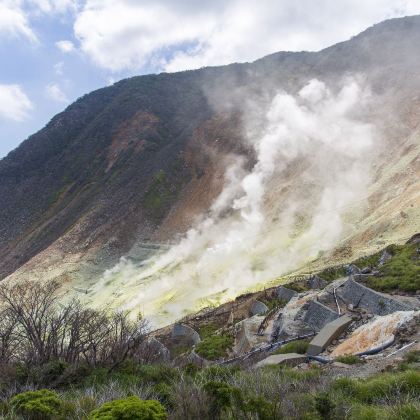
<point>45,330</point>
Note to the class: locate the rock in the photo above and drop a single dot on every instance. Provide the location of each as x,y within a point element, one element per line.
<point>340,365</point>
<point>154,351</point>
<point>246,337</point>
<point>289,359</point>
<point>258,308</point>
<point>316,282</point>
<point>290,321</point>
<point>185,334</point>
<point>366,270</point>
<point>284,294</point>
<point>385,256</point>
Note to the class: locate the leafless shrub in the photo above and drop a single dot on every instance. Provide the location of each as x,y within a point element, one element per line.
<point>35,329</point>
<point>190,400</point>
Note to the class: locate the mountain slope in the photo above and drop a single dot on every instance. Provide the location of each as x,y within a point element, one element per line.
<point>141,160</point>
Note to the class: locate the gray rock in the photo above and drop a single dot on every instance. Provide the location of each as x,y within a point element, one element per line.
<point>185,333</point>
<point>289,359</point>
<point>258,308</point>
<point>316,282</point>
<point>285,294</point>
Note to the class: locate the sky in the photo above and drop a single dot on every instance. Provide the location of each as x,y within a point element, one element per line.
<point>54,51</point>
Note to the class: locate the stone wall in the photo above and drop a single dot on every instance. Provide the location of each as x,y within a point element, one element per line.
<point>363,297</point>
<point>319,315</point>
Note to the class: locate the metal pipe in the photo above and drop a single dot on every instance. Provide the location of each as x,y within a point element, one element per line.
<point>402,348</point>
<point>378,349</point>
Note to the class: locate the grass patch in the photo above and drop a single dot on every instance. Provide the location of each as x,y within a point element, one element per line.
<point>348,359</point>
<point>401,272</point>
<point>214,347</point>
<point>298,346</point>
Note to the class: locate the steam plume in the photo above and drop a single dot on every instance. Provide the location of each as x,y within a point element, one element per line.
<point>313,153</point>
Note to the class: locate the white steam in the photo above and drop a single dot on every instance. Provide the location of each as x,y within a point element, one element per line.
<point>312,157</point>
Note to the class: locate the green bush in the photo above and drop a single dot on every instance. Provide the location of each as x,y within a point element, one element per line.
<point>132,408</point>
<point>324,405</point>
<point>348,359</point>
<point>38,405</point>
<point>214,347</point>
<point>221,395</point>
<point>298,346</point>
<point>389,385</point>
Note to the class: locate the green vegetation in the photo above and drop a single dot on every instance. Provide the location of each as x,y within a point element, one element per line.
<point>348,359</point>
<point>158,194</point>
<point>401,272</point>
<point>332,273</point>
<point>132,408</point>
<point>298,346</point>
<point>214,347</point>
<point>163,190</point>
<point>38,405</point>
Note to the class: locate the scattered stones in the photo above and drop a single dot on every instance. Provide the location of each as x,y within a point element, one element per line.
<point>258,308</point>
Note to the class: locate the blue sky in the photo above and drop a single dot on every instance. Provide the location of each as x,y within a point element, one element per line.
<point>54,51</point>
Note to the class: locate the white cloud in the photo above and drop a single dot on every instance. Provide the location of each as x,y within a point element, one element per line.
<point>54,91</point>
<point>65,46</point>
<point>14,104</point>
<point>168,35</point>
<point>54,6</point>
<point>13,20</point>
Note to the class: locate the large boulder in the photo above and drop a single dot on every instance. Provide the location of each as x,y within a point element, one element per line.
<point>284,294</point>
<point>185,334</point>
<point>258,308</point>
<point>247,337</point>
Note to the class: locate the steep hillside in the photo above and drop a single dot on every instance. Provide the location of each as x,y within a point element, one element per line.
<point>144,160</point>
